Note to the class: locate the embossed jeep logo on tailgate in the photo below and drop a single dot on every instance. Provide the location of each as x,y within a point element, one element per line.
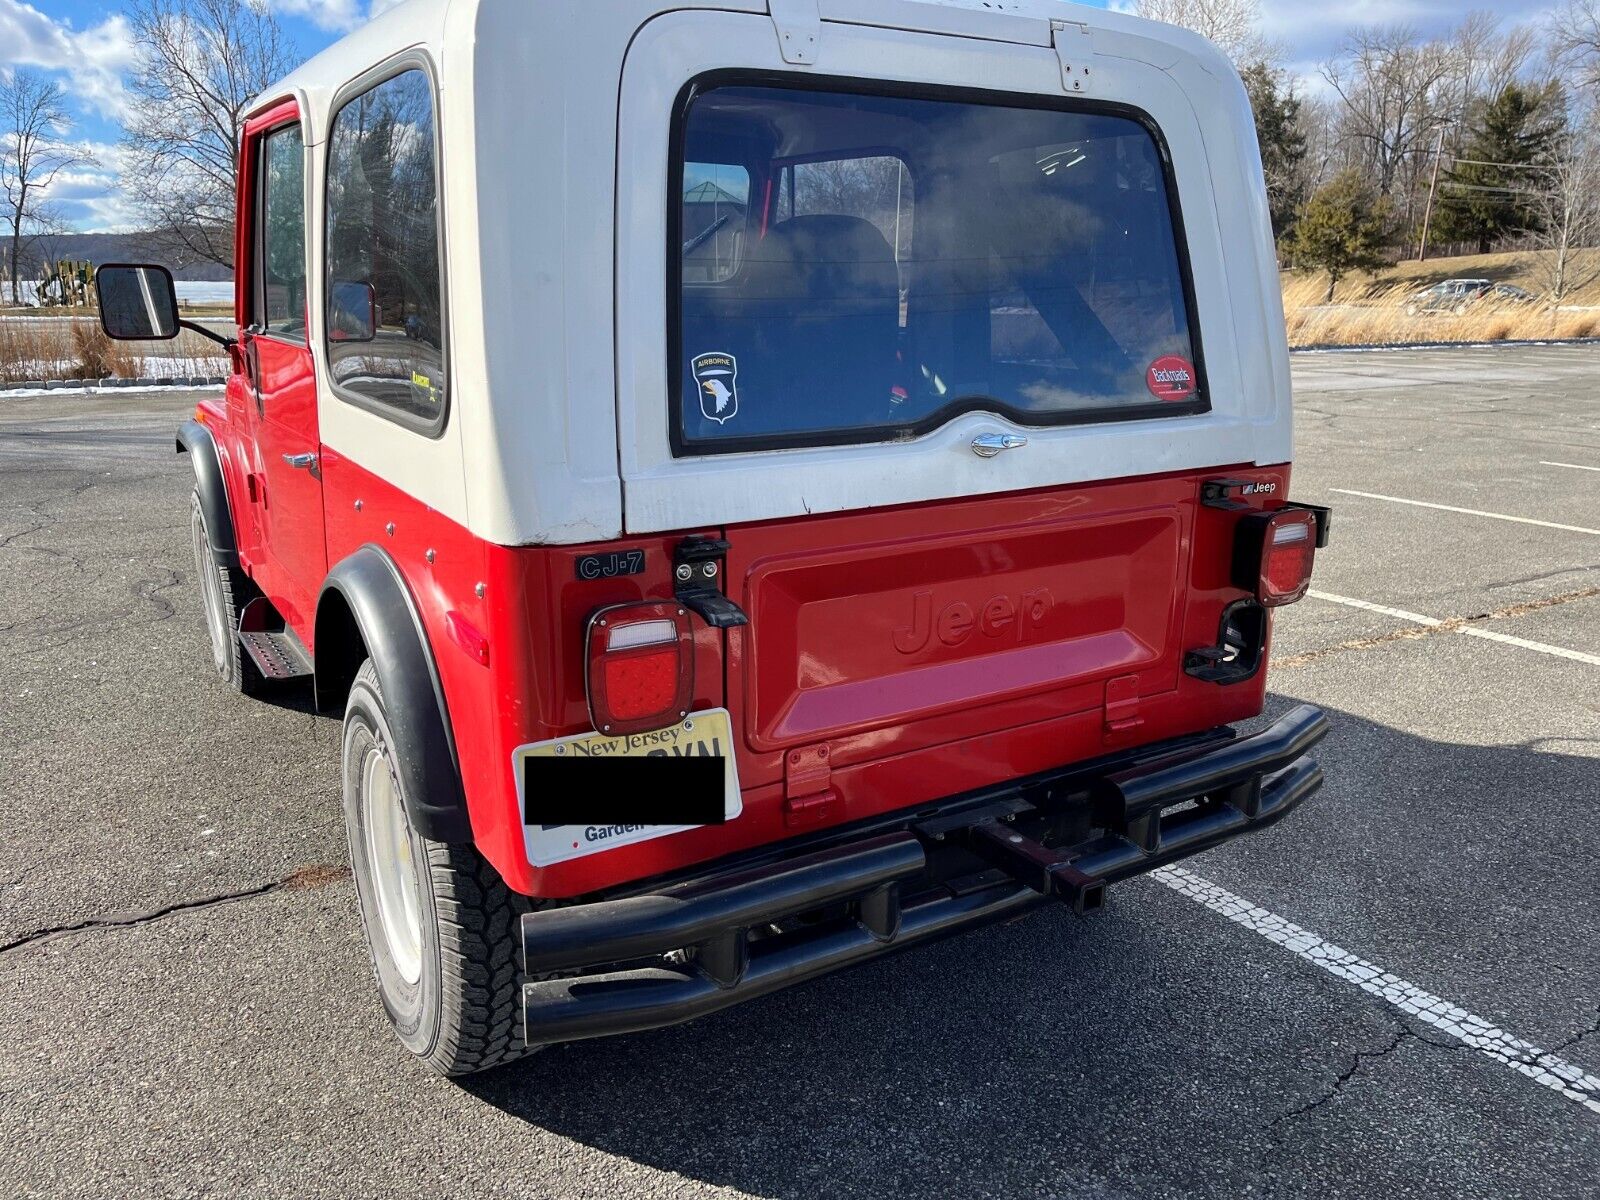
<point>1000,618</point>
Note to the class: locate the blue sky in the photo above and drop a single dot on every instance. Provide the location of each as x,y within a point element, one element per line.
<point>84,44</point>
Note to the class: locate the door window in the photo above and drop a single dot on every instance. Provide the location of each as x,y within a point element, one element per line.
<point>386,343</point>
<point>281,244</point>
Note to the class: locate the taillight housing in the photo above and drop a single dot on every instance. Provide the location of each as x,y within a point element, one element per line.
<point>1274,553</point>
<point>640,667</point>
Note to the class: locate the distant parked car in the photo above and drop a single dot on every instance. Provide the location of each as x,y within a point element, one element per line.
<point>1457,295</point>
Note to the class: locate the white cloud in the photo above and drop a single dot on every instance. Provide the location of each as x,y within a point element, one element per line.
<point>338,16</point>
<point>110,212</point>
<point>1313,32</point>
<point>96,57</point>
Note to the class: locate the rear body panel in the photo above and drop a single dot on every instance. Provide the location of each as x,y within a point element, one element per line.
<point>1035,607</point>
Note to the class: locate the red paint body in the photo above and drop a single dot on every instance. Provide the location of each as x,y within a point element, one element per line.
<point>894,657</point>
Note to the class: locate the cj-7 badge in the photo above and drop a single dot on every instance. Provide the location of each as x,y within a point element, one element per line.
<point>718,376</point>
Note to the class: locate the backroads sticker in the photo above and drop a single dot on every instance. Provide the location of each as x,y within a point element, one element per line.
<point>1171,378</point>
<point>718,377</point>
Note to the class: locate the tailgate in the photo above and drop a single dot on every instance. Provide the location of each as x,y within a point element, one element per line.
<point>891,631</point>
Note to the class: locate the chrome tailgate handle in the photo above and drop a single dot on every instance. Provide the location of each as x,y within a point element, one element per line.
<point>987,445</point>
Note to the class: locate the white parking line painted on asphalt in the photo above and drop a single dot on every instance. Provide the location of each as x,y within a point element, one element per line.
<point>1541,1066</point>
<point>1489,635</point>
<point>1573,466</point>
<point>1398,614</point>
<point>1471,512</point>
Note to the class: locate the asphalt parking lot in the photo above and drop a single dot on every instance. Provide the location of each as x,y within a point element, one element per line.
<point>186,1006</point>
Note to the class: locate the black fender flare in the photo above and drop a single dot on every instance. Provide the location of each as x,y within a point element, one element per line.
<point>386,617</point>
<point>195,440</point>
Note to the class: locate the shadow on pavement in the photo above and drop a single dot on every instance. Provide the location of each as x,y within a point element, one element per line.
<point>1153,1048</point>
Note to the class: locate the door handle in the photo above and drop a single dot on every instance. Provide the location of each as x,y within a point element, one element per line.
<point>301,462</point>
<point>987,445</point>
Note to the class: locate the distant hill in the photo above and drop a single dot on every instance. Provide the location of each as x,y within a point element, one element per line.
<point>128,247</point>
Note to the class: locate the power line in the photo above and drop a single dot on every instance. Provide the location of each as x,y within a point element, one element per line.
<point>1478,162</point>
<point>1477,187</point>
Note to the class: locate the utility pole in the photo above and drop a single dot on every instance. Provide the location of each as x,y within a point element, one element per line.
<point>1433,185</point>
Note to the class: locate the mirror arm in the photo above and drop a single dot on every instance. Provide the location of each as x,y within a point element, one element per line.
<point>219,338</point>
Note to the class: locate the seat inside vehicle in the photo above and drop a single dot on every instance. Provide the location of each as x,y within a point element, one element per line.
<point>812,281</point>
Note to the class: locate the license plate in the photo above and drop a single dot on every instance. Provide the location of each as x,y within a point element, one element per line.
<point>708,734</point>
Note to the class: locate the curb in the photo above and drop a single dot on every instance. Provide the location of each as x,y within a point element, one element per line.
<point>56,385</point>
<point>1334,347</point>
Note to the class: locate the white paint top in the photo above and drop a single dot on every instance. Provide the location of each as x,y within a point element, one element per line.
<point>555,278</point>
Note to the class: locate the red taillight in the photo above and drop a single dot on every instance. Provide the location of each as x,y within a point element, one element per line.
<point>1274,555</point>
<point>641,667</point>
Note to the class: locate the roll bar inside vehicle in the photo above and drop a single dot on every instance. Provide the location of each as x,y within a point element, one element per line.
<point>816,480</point>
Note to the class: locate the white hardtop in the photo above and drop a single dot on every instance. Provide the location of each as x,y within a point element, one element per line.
<point>555,277</point>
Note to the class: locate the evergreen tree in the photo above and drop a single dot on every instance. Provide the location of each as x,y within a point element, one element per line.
<point>1344,227</point>
<point>1283,142</point>
<point>1491,192</point>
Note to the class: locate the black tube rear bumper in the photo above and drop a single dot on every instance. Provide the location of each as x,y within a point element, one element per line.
<point>646,961</point>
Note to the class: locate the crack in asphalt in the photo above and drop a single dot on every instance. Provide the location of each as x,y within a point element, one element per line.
<point>7,538</point>
<point>1451,625</point>
<point>1357,1061</point>
<point>90,625</point>
<point>148,589</point>
<point>1590,1030</point>
<point>1543,1060</point>
<point>44,520</point>
<point>317,875</point>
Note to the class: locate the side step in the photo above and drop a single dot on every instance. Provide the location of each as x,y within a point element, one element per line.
<point>278,656</point>
<point>276,652</point>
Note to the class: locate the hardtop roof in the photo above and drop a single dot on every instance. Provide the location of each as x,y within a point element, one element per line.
<point>420,23</point>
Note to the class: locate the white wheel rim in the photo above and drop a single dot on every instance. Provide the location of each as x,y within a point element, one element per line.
<point>394,872</point>
<point>205,566</point>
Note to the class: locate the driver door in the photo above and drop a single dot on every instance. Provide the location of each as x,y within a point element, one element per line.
<point>277,348</point>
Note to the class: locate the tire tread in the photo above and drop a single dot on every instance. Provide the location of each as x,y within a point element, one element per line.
<point>478,923</point>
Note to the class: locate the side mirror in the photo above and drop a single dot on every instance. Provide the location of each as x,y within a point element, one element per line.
<point>137,303</point>
<point>352,311</point>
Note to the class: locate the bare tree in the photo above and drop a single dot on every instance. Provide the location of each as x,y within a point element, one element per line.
<point>33,122</point>
<point>1395,90</point>
<point>1575,37</point>
<point>1234,25</point>
<point>1567,209</point>
<point>1486,59</point>
<point>199,64</point>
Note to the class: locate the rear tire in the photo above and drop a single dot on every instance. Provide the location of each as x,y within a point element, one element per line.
<point>442,926</point>
<point>224,591</point>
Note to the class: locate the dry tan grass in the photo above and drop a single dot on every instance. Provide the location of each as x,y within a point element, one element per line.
<point>33,349</point>
<point>1376,314</point>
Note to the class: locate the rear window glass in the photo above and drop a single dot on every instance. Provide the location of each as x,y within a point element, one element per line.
<point>864,267</point>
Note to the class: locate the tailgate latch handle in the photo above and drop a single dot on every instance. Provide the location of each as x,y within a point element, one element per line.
<point>987,445</point>
<point>697,567</point>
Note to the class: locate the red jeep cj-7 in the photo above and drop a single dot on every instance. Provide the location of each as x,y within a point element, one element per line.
<point>767,482</point>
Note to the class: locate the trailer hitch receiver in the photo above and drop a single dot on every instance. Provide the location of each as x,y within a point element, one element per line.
<point>1048,872</point>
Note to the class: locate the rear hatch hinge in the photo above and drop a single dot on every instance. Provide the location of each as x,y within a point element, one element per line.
<point>799,25</point>
<point>1074,44</point>
<point>809,797</point>
<point>1122,704</point>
